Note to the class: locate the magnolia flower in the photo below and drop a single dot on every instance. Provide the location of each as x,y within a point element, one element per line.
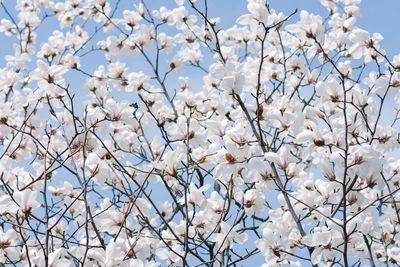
<point>394,254</point>
<point>216,205</point>
<point>172,256</point>
<point>165,209</point>
<point>131,19</point>
<point>281,158</point>
<point>118,111</point>
<point>233,83</point>
<point>7,27</point>
<point>330,90</point>
<point>137,81</point>
<point>26,200</point>
<point>227,237</point>
<point>260,172</point>
<point>201,222</point>
<point>171,161</point>
<point>49,74</point>
<point>309,26</point>
<point>196,195</point>
<point>7,245</point>
<point>316,239</point>
<point>57,258</point>
<point>28,19</point>
<point>271,244</point>
<point>324,241</point>
<point>6,205</point>
<point>181,17</point>
<point>364,44</point>
<point>253,201</point>
<point>258,10</point>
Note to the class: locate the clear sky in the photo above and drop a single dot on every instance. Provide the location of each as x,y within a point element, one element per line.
<point>376,16</point>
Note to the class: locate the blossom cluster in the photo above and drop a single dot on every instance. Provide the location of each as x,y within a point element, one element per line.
<point>142,135</point>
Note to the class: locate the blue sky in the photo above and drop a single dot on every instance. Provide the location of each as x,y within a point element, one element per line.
<point>376,16</point>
